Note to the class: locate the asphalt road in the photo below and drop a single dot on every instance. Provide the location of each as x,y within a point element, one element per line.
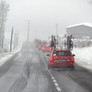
<point>28,72</point>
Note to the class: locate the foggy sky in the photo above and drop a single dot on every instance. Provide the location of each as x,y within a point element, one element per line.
<point>45,14</point>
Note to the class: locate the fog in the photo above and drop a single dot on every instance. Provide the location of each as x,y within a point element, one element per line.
<point>44,15</point>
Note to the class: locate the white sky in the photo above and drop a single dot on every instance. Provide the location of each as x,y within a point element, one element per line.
<point>45,14</point>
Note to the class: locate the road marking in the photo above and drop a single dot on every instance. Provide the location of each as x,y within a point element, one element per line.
<point>56,84</point>
<point>58,89</point>
<point>52,77</point>
<point>44,61</point>
<point>54,80</point>
<point>50,73</point>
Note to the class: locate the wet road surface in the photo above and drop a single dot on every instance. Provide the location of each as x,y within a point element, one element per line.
<point>28,72</point>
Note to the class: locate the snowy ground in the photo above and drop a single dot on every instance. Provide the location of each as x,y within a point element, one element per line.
<point>5,56</point>
<point>83,57</point>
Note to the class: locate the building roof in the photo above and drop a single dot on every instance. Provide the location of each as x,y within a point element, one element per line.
<point>85,24</point>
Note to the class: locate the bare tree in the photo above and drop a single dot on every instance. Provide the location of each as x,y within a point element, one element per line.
<point>4,8</point>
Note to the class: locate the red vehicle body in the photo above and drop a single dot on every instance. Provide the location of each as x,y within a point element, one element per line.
<point>61,58</point>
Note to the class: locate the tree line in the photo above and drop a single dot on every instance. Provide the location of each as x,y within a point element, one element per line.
<point>4,8</point>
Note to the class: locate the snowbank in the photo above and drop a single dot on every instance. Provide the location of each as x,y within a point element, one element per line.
<point>83,57</point>
<point>6,56</point>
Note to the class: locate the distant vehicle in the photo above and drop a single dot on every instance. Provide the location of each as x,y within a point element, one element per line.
<point>61,58</point>
<point>40,47</point>
<point>46,48</point>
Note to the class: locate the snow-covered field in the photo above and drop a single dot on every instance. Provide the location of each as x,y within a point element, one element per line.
<point>83,57</point>
<point>6,56</point>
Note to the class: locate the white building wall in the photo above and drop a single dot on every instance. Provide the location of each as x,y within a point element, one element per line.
<point>80,31</point>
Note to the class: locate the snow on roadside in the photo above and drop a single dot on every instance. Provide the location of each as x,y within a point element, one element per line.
<point>6,56</point>
<point>83,57</point>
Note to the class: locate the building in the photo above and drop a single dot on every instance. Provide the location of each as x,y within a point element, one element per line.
<point>79,31</point>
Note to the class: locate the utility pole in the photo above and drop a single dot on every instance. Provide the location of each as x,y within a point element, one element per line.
<point>11,40</point>
<point>15,40</point>
<point>28,31</point>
